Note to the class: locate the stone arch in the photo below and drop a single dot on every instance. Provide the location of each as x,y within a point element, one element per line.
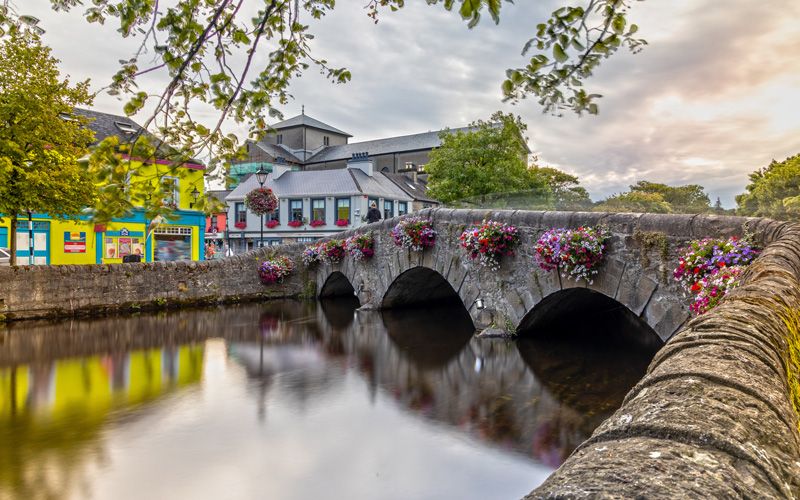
<point>337,285</point>
<point>588,315</point>
<point>419,286</point>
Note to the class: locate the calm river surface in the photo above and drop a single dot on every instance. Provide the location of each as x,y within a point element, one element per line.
<point>293,400</point>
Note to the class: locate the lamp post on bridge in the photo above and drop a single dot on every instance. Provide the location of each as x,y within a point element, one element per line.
<point>261,177</point>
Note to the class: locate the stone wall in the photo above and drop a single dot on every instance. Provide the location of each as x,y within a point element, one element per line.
<point>713,417</point>
<point>28,292</point>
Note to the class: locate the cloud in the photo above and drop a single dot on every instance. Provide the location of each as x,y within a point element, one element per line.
<point>718,82</point>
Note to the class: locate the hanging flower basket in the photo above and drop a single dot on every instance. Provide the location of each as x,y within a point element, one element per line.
<point>574,253</point>
<point>414,233</point>
<point>313,254</point>
<point>342,222</point>
<point>316,223</point>
<point>361,246</point>
<point>295,223</point>
<point>240,225</point>
<point>274,270</point>
<point>333,250</point>
<point>261,201</point>
<point>489,241</point>
<point>272,224</point>
<point>710,268</point>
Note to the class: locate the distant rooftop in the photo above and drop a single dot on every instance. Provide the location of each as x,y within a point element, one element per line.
<point>305,120</point>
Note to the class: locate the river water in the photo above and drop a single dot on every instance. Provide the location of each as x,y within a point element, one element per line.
<point>294,400</point>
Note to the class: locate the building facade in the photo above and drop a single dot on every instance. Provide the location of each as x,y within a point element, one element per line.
<point>46,240</point>
<point>313,204</point>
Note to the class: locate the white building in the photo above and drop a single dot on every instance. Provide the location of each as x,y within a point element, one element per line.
<point>311,202</point>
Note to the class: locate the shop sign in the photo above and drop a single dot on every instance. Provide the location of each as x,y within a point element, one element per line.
<point>74,242</point>
<point>124,232</point>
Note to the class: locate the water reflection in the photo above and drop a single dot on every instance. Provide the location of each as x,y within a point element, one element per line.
<point>360,404</point>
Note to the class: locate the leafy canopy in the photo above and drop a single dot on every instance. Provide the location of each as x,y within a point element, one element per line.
<point>773,191</point>
<point>652,197</point>
<point>40,141</point>
<point>489,158</point>
<point>207,48</point>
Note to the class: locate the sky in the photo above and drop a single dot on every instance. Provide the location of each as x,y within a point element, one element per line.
<point>714,96</point>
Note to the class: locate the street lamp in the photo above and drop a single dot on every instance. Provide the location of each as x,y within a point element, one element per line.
<point>261,177</point>
<point>195,193</point>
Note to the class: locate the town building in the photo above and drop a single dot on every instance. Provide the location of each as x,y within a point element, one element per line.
<point>80,241</point>
<point>316,204</point>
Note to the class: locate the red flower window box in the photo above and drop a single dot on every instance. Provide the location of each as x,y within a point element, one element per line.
<point>317,223</point>
<point>295,223</point>
<point>271,224</point>
<point>240,225</point>
<point>342,222</point>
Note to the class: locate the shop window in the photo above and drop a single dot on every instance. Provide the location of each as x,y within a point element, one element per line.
<point>318,209</point>
<point>343,209</point>
<point>402,208</point>
<point>172,243</point>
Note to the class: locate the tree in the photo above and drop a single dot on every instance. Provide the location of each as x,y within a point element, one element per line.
<point>207,50</point>
<point>635,201</point>
<point>565,190</point>
<point>774,191</point>
<point>40,141</point>
<point>688,199</point>
<point>490,158</point>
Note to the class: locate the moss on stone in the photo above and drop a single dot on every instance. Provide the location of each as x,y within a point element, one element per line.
<point>653,240</point>
<point>792,359</point>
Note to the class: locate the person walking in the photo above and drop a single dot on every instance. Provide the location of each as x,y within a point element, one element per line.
<point>373,214</point>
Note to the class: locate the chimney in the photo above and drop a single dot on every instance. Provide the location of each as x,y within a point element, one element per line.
<point>280,167</point>
<point>362,162</point>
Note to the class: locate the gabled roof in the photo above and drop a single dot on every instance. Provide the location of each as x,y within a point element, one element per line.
<point>415,189</point>
<point>319,183</point>
<point>276,151</point>
<point>414,142</point>
<point>106,125</point>
<point>306,121</point>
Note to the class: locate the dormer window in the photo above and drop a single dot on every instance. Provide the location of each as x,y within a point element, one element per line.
<point>125,127</point>
<point>66,117</point>
<point>326,141</point>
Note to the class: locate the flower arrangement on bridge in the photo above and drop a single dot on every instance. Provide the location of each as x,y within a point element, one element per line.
<point>261,201</point>
<point>333,250</point>
<point>414,233</point>
<point>574,253</point>
<point>710,289</point>
<point>316,223</point>
<point>489,241</point>
<point>272,223</point>
<point>275,269</point>
<point>710,268</point>
<point>361,246</point>
<point>313,254</point>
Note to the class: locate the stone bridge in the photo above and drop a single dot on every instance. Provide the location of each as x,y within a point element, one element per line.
<point>634,283</point>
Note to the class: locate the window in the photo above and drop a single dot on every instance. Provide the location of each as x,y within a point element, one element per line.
<point>276,215</point>
<point>306,239</point>
<point>125,127</point>
<point>171,192</point>
<point>318,209</point>
<point>326,140</point>
<point>402,207</point>
<point>280,139</point>
<point>241,213</point>
<point>295,210</point>
<point>388,209</point>
<point>343,209</point>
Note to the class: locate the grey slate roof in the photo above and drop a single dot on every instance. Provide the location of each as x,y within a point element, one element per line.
<point>305,120</point>
<point>220,194</point>
<point>417,190</point>
<point>275,151</point>
<point>414,142</point>
<point>105,125</point>
<point>318,183</point>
